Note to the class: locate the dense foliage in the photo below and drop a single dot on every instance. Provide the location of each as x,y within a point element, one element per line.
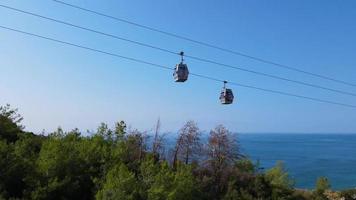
<point>128,164</point>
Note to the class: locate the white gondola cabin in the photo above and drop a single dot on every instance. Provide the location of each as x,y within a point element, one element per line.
<point>226,95</point>
<point>181,71</point>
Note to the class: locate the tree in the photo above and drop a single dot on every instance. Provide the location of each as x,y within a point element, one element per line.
<point>10,127</point>
<point>222,148</point>
<point>95,154</point>
<point>149,169</point>
<point>188,143</point>
<point>131,151</point>
<point>246,166</point>
<point>104,131</point>
<point>279,179</point>
<point>322,185</point>
<point>57,134</point>
<point>157,144</point>
<point>120,130</point>
<point>18,151</point>
<point>62,171</point>
<point>12,114</point>
<point>162,184</point>
<point>26,152</point>
<point>184,185</point>
<point>120,184</point>
<point>11,172</point>
<point>232,193</point>
<point>222,153</point>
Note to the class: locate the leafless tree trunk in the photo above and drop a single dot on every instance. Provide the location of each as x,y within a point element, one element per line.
<point>176,151</point>
<point>157,144</point>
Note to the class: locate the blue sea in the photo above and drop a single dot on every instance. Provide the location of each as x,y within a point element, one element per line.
<point>306,156</point>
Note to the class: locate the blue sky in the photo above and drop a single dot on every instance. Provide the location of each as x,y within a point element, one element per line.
<point>55,85</point>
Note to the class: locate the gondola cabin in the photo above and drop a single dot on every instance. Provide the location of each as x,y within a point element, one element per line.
<point>181,72</point>
<point>226,95</point>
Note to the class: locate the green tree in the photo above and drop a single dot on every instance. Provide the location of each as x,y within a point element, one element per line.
<point>12,172</point>
<point>120,184</point>
<point>179,184</point>
<point>163,182</point>
<point>130,151</point>
<point>61,169</point>
<point>26,150</point>
<point>279,179</point>
<point>322,185</point>
<point>19,151</point>
<point>232,192</point>
<point>10,127</point>
<point>95,155</point>
<point>120,130</point>
<point>245,166</point>
<point>148,171</point>
<point>104,131</point>
<point>184,187</point>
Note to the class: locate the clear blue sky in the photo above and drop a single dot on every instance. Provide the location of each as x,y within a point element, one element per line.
<point>55,85</point>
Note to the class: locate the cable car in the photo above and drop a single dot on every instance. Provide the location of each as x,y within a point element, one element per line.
<point>181,71</point>
<point>226,95</point>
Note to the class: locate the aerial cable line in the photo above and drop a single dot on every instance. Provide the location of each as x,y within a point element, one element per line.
<point>167,68</point>
<point>188,56</point>
<point>209,45</point>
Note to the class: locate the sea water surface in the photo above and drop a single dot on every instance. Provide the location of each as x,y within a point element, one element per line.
<point>306,156</point>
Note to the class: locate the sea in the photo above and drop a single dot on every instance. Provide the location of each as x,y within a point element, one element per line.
<point>305,156</point>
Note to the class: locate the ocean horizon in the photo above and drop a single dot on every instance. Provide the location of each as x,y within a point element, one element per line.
<point>306,156</point>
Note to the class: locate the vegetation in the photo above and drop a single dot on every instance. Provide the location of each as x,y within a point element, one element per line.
<point>128,164</point>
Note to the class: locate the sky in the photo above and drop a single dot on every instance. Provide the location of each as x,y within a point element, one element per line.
<point>56,85</point>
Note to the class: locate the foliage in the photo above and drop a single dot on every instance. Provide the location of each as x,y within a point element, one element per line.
<point>349,194</point>
<point>322,185</point>
<point>331,195</point>
<point>10,127</point>
<point>117,164</point>
<point>120,184</point>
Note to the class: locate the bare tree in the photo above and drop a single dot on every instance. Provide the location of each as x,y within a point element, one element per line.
<point>222,149</point>
<point>222,152</point>
<point>188,143</point>
<point>176,151</point>
<point>157,144</point>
